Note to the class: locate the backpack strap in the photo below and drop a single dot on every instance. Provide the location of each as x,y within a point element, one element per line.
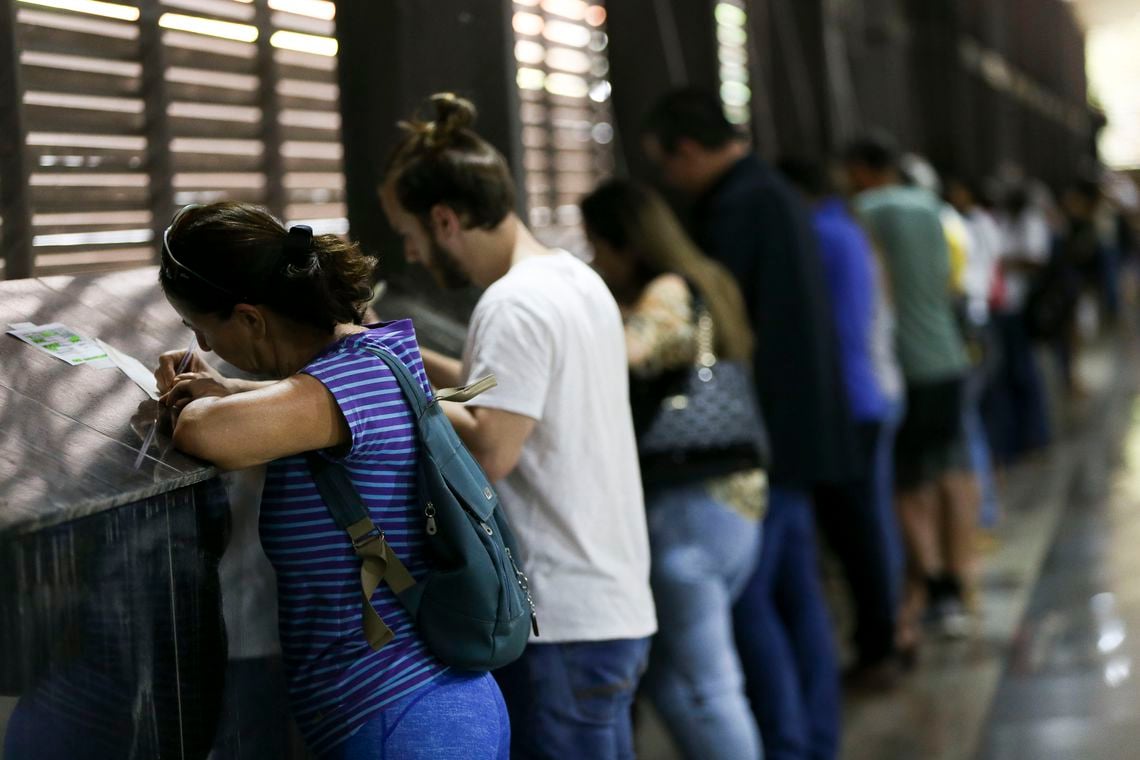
<point>378,561</point>
<point>414,392</point>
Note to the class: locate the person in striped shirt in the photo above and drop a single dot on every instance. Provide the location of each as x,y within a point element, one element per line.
<point>286,305</point>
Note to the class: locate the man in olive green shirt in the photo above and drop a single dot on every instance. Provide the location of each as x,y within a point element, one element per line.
<point>935,490</point>
<point>905,223</point>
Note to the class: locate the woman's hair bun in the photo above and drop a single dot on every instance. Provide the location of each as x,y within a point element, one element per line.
<point>317,280</point>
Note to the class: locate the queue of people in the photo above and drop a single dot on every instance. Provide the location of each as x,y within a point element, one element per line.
<point>667,431</point>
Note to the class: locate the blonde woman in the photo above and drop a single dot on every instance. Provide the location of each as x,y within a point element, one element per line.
<point>705,494</point>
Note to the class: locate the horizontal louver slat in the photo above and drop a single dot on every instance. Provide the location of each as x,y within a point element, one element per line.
<point>85,118</point>
<point>93,260</point>
<point>567,127</point>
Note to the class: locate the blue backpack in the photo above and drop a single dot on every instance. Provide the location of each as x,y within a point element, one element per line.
<point>474,610</point>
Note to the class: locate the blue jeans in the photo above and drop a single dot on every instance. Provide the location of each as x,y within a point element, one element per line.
<point>849,517</point>
<point>784,637</point>
<point>981,459</point>
<point>1014,407</point>
<point>885,495</point>
<point>459,716</point>
<point>703,553</point>
<point>573,700</point>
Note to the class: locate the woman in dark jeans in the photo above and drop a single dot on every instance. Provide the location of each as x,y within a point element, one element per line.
<point>702,510</point>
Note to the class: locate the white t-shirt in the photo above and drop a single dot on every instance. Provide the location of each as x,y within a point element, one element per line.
<point>985,249</point>
<point>1024,237</point>
<point>884,361</point>
<point>552,334</point>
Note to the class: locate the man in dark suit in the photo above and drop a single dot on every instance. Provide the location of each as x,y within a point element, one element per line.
<point>751,221</point>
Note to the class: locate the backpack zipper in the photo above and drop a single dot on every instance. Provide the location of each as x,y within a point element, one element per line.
<point>524,583</point>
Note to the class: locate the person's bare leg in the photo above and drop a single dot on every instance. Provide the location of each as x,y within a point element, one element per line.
<point>960,502</point>
<point>917,511</point>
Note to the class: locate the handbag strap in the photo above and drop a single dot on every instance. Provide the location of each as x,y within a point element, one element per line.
<point>706,343</point>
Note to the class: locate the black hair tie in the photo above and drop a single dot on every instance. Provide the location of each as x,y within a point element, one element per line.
<point>298,242</point>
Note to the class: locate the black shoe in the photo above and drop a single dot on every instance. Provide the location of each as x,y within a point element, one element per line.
<point>875,677</point>
<point>945,612</point>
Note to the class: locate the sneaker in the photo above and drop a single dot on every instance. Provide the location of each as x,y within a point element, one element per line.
<point>953,620</point>
<point>937,591</point>
<point>946,612</point>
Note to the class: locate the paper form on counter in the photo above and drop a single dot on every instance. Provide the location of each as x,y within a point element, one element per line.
<point>132,368</point>
<point>62,342</point>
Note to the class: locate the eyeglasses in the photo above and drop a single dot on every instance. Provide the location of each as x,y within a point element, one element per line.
<point>183,272</point>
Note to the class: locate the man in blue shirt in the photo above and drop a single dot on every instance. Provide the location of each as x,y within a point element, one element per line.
<point>861,529</point>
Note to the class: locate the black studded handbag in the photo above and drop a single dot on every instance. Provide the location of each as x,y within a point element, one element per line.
<point>711,408</point>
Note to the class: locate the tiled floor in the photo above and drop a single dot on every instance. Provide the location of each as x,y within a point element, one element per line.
<point>1070,690</point>
<point>1032,683</point>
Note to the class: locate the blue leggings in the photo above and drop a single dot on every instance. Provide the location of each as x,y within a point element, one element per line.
<point>460,716</point>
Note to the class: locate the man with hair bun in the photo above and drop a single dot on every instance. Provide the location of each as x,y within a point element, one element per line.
<point>556,435</point>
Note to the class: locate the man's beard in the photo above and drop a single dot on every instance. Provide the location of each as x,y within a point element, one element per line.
<point>446,269</point>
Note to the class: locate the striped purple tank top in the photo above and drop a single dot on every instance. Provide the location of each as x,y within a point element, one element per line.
<point>336,681</point>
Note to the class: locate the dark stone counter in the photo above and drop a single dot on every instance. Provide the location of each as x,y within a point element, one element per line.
<point>68,435</point>
<point>132,626</point>
<point>112,639</point>
<point>138,615</point>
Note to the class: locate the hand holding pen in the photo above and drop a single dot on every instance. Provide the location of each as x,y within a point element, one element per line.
<point>183,364</point>
<point>191,379</point>
<point>174,363</point>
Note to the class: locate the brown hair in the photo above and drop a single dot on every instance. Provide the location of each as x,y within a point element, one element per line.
<point>692,113</point>
<point>442,160</point>
<point>217,256</point>
<point>636,221</point>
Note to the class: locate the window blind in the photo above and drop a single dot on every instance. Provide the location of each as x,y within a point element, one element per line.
<point>732,56</point>
<point>567,125</point>
<point>249,111</point>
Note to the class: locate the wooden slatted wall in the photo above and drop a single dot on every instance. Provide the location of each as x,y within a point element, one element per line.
<point>131,111</point>
<point>567,125</point>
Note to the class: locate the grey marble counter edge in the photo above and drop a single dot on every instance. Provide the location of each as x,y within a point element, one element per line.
<point>99,504</point>
<point>446,333</point>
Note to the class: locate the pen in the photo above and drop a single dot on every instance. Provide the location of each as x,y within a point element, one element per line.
<point>182,365</point>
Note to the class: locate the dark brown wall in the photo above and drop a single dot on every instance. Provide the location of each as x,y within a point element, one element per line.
<point>393,55</point>
<point>655,46</point>
<point>900,61</point>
